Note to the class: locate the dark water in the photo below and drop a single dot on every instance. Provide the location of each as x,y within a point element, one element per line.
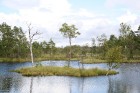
<point>127,81</point>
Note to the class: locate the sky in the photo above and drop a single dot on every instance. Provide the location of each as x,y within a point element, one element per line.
<point>91,17</point>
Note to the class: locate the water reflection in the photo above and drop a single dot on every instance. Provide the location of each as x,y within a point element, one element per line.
<point>116,86</point>
<point>5,85</point>
<point>31,85</point>
<point>127,81</point>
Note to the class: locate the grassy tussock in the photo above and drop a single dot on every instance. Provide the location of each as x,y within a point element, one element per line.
<point>63,71</point>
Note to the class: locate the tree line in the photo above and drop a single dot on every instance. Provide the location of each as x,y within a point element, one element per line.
<point>14,44</point>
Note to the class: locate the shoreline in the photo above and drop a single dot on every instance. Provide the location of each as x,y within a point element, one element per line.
<point>85,61</point>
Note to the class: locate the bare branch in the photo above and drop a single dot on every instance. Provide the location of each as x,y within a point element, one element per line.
<point>36,33</point>
<point>31,40</point>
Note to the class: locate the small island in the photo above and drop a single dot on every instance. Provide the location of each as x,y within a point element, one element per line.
<point>63,71</point>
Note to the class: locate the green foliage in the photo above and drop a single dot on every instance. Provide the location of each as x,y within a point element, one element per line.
<point>37,49</point>
<point>15,47</point>
<point>124,30</point>
<point>85,49</point>
<point>127,40</point>
<point>13,43</point>
<point>102,45</point>
<point>113,56</point>
<point>52,49</point>
<point>69,31</point>
<point>112,42</point>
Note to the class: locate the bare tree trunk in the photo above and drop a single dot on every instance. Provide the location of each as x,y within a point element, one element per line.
<point>110,67</point>
<point>82,62</point>
<point>69,52</point>
<point>31,51</point>
<point>30,41</point>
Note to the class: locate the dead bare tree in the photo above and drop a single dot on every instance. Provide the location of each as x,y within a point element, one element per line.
<point>31,38</point>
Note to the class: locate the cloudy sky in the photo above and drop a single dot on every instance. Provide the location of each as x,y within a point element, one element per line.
<point>91,17</point>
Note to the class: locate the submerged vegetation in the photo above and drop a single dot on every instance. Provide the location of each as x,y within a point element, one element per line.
<point>63,71</point>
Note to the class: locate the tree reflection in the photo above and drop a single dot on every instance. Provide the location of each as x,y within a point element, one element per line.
<point>82,90</point>
<point>5,85</point>
<point>110,89</point>
<point>116,86</point>
<point>31,85</point>
<point>70,85</point>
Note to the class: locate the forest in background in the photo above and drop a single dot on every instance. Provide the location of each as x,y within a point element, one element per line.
<point>14,45</point>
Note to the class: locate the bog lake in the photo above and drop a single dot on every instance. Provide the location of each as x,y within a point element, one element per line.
<point>127,81</point>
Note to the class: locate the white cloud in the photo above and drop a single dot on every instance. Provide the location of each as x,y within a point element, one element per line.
<point>132,4</point>
<point>18,4</point>
<point>131,19</point>
<point>48,15</point>
<point>128,17</point>
<point>10,19</point>
<point>58,7</point>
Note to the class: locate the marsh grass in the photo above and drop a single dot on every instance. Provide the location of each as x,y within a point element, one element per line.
<point>63,71</point>
<point>86,60</point>
<point>36,59</point>
<point>93,60</point>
